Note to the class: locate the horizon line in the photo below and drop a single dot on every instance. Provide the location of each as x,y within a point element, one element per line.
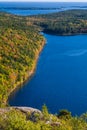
<point>49,1</point>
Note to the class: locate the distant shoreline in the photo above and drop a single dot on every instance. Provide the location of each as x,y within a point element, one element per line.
<point>30,8</point>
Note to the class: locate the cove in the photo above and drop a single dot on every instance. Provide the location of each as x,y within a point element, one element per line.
<point>60,80</point>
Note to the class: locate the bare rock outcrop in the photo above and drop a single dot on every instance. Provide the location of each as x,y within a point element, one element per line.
<point>31,113</point>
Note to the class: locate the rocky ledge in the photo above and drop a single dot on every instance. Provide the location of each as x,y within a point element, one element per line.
<point>31,113</point>
<point>22,109</point>
<point>27,109</point>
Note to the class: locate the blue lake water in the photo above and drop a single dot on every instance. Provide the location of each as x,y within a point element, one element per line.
<point>29,12</point>
<point>7,7</point>
<point>60,80</point>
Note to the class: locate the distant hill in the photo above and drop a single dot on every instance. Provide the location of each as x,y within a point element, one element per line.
<point>70,22</point>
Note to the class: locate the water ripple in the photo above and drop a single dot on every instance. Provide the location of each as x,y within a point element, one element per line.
<point>76,52</point>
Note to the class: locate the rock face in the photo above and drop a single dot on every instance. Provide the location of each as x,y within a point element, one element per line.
<point>31,113</point>
<point>27,109</point>
<point>22,109</point>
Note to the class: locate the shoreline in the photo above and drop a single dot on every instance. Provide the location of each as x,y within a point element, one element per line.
<point>32,72</point>
<point>29,75</point>
<point>66,34</point>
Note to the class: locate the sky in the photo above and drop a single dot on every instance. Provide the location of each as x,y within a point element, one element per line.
<point>44,0</point>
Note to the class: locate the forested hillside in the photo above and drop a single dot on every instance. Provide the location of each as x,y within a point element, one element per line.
<point>20,119</point>
<point>19,49</point>
<point>20,45</point>
<point>70,22</point>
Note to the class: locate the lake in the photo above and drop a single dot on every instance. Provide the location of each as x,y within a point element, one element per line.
<point>9,7</point>
<point>60,80</point>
